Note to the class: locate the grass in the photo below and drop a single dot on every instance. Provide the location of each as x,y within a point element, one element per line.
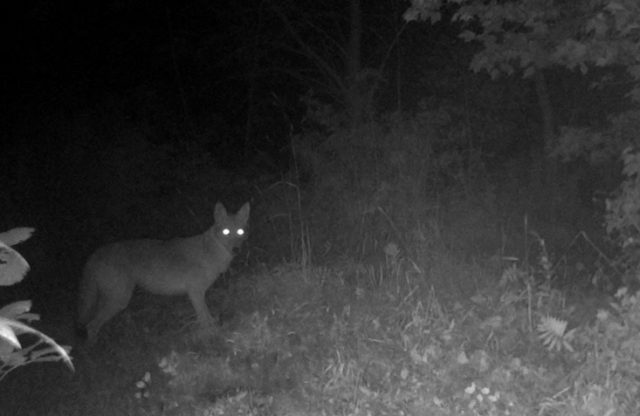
<point>344,340</point>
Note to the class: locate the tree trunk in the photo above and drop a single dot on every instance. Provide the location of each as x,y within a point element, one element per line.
<point>546,109</point>
<point>355,99</point>
<point>546,169</point>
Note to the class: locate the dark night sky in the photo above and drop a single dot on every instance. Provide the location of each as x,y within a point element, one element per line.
<point>62,41</point>
<point>72,54</point>
<point>145,62</point>
<point>177,66</point>
<point>86,49</point>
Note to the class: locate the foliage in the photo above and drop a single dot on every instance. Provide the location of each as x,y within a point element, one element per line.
<point>598,146</point>
<point>372,183</point>
<point>13,354</point>
<point>554,334</point>
<point>478,359</point>
<point>533,34</point>
<point>334,340</point>
<point>623,216</point>
<point>597,360</point>
<point>623,211</point>
<point>605,382</point>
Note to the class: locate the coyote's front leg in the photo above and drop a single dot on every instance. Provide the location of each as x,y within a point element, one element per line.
<point>197,297</point>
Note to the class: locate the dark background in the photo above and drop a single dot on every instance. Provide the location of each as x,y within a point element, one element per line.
<point>130,119</point>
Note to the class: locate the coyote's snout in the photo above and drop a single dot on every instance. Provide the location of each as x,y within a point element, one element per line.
<point>165,267</point>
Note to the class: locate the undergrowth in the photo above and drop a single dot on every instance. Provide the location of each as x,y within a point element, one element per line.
<point>341,340</point>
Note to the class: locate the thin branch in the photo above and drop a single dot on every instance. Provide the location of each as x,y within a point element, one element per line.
<point>308,52</point>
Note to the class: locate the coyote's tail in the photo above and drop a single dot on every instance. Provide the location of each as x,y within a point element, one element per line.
<point>88,302</point>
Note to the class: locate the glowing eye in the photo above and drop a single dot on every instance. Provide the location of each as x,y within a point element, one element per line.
<point>240,231</point>
<point>226,231</point>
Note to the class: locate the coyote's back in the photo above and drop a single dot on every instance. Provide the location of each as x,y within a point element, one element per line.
<point>165,267</point>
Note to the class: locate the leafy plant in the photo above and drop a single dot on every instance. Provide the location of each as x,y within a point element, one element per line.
<point>623,210</point>
<point>554,335</point>
<point>13,353</point>
<point>534,34</point>
<point>623,215</point>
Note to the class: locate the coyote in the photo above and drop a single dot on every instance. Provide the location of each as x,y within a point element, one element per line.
<point>164,267</point>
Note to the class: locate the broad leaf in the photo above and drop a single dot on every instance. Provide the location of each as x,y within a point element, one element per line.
<point>7,334</point>
<point>16,235</point>
<point>13,266</point>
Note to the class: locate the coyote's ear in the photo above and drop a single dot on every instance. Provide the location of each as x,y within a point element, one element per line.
<point>220,213</point>
<point>243,213</point>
